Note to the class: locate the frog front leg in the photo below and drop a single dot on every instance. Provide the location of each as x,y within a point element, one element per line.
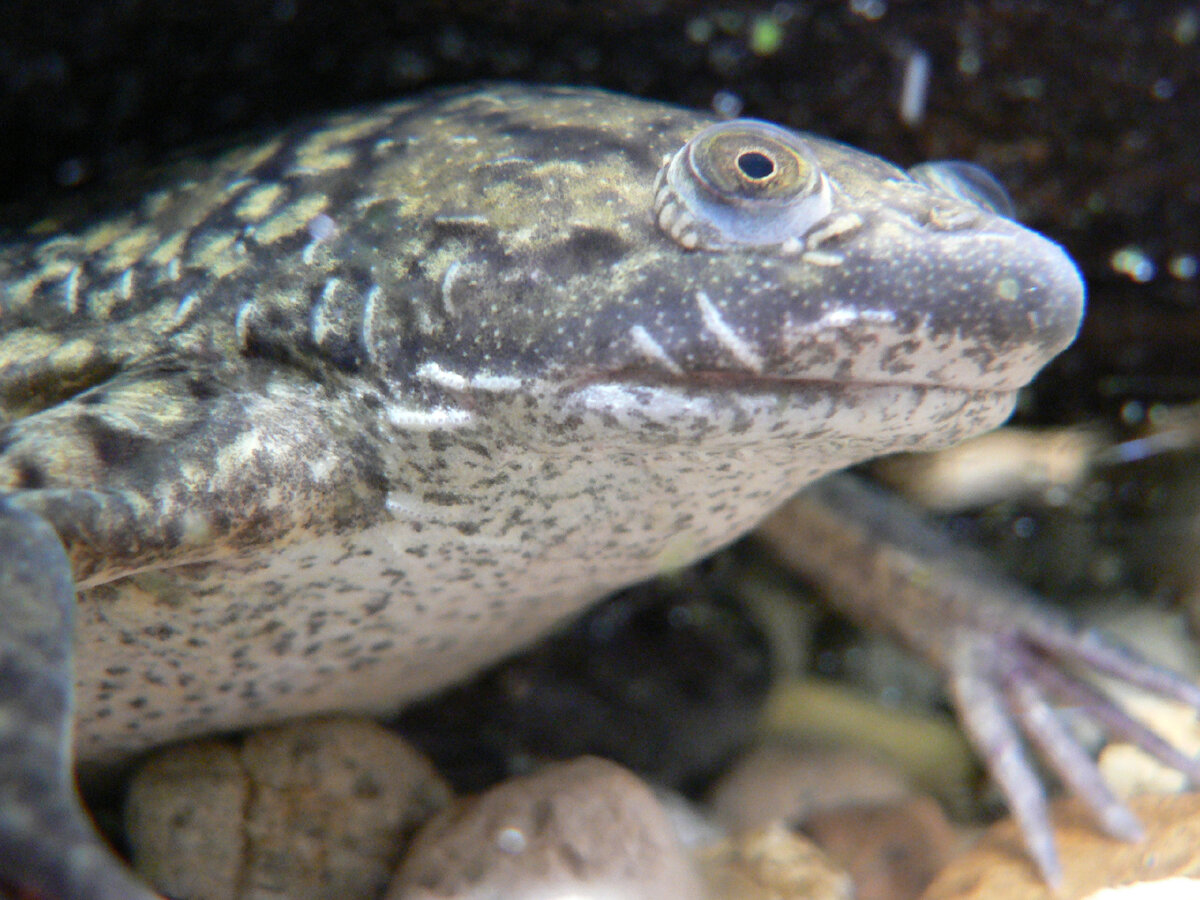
<point>105,494</point>
<point>48,847</point>
<point>1004,654</point>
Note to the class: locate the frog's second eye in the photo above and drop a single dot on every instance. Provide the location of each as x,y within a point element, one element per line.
<point>741,182</point>
<point>966,181</point>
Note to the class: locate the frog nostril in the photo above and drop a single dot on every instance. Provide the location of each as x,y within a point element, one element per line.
<point>756,165</point>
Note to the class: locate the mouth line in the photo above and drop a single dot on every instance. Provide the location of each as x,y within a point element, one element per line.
<point>714,380</point>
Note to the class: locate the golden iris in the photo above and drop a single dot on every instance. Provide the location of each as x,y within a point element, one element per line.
<point>740,162</point>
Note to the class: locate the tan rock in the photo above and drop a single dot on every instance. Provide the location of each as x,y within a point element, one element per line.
<point>316,809</point>
<point>1167,889</point>
<point>771,863</point>
<point>1129,770</point>
<point>784,782</point>
<point>183,818</point>
<point>998,869</point>
<point>1001,465</point>
<point>586,827</point>
<point>892,851</point>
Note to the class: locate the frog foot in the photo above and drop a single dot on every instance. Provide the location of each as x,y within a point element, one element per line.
<point>1004,680</point>
<point>48,847</point>
<point>1005,654</point>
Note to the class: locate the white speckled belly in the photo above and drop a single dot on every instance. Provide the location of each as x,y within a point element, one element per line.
<point>369,620</point>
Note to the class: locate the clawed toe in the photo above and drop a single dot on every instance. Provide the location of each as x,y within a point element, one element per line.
<point>1002,685</point>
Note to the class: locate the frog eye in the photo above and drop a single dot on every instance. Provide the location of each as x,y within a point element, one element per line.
<point>741,182</point>
<point>966,181</point>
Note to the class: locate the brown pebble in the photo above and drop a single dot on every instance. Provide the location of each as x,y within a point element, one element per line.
<point>587,826</point>
<point>891,850</point>
<point>312,810</point>
<point>771,863</point>
<point>997,868</point>
<point>783,782</point>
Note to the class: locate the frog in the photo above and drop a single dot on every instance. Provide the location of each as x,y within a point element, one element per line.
<point>332,419</point>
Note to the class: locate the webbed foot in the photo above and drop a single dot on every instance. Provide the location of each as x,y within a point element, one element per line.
<point>1004,654</point>
<point>48,848</point>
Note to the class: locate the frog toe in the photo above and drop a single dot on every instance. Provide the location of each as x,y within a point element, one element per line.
<point>48,848</point>
<point>986,716</point>
<point>1092,650</point>
<point>1006,686</point>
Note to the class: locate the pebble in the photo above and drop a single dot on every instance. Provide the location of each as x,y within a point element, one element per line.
<point>1094,866</point>
<point>1167,889</point>
<point>584,828</point>
<point>892,851</point>
<point>771,863</point>
<point>312,810</point>
<point>860,811</point>
<point>184,806</point>
<point>784,782</point>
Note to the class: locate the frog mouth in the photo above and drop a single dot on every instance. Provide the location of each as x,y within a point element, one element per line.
<point>717,381</point>
<point>911,415</point>
<point>851,419</point>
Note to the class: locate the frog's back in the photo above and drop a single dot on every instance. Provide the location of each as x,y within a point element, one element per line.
<point>270,248</point>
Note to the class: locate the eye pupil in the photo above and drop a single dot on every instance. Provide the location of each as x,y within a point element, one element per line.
<point>755,165</point>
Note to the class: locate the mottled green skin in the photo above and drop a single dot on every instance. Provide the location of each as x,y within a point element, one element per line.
<point>332,420</point>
